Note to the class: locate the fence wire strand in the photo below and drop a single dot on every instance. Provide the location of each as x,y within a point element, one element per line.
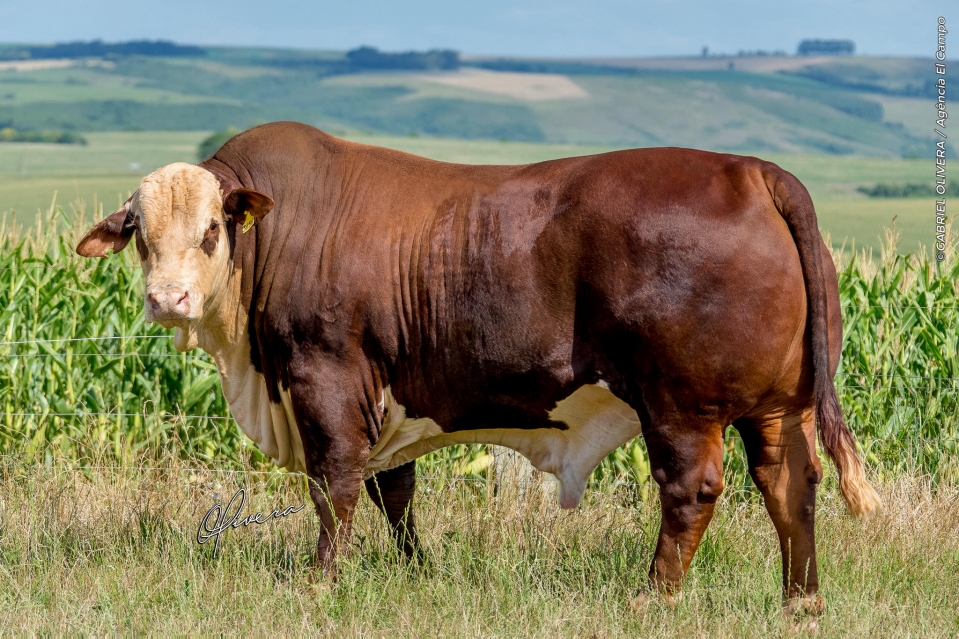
<point>174,417</point>
<point>279,473</point>
<point>206,357</point>
<point>137,268</point>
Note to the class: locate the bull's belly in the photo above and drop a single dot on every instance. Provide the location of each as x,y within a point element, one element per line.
<point>598,422</point>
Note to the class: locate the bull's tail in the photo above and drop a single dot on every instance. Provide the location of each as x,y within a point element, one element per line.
<point>796,208</point>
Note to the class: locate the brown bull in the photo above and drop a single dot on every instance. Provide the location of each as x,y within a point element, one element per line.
<point>390,305</point>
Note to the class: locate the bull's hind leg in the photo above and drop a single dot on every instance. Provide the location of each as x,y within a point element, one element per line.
<point>392,492</point>
<point>686,459</point>
<point>784,465</point>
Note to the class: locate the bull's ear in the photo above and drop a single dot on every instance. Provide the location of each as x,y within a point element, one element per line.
<point>113,232</point>
<point>247,206</point>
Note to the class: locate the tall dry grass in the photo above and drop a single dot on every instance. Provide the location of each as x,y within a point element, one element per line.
<point>108,550</point>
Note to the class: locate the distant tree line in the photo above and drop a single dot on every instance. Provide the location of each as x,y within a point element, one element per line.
<point>367,58</point>
<point>562,67</point>
<point>433,60</point>
<point>826,47</point>
<point>846,77</point>
<point>361,59</point>
<point>760,53</point>
<point>906,190</point>
<point>9,134</point>
<point>101,49</point>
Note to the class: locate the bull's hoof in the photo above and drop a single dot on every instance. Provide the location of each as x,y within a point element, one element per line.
<point>322,574</point>
<point>804,613</point>
<point>319,583</point>
<point>642,601</point>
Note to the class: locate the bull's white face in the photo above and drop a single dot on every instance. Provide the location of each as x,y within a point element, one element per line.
<point>179,217</point>
<point>182,243</point>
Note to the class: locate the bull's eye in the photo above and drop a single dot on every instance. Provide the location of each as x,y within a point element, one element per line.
<point>210,237</point>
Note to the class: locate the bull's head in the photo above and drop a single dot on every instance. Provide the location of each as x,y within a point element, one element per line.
<point>179,216</point>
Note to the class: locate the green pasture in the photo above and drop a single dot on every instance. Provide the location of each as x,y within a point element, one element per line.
<point>804,112</point>
<point>30,93</point>
<point>105,171</point>
<point>109,168</point>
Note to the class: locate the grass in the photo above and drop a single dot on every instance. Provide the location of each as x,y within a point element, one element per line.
<point>105,171</point>
<point>113,551</point>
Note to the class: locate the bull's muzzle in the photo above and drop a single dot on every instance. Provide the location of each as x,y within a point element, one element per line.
<point>168,303</point>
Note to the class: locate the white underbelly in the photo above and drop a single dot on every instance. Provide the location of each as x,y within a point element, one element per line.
<point>597,423</point>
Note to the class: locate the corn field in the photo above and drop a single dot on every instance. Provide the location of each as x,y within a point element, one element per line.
<point>83,377</point>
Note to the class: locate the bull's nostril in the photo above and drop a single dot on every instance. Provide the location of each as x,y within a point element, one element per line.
<point>168,302</point>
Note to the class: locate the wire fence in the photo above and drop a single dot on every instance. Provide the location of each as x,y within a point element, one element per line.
<point>277,473</point>
<point>124,338</point>
<point>114,338</point>
<point>129,267</point>
<point>59,348</point>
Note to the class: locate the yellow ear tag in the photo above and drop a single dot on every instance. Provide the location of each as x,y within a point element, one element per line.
<point>248,221</point>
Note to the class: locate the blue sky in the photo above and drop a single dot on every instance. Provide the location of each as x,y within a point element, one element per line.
<point>520,27</point>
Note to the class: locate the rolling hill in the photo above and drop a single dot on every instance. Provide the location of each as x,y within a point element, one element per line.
<point>780,104</point>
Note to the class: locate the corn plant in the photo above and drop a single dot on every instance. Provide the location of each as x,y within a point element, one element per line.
<point>82,376</point>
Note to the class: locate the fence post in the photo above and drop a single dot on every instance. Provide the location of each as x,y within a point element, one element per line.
<point>515,476</point>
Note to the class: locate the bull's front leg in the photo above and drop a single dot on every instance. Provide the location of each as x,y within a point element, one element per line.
<point>333,427</point>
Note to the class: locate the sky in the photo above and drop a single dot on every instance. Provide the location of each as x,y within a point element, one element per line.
<point>552,28</point>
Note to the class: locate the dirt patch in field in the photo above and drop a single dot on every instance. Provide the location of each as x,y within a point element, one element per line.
<point>522,86</point>
<point>39,65</point>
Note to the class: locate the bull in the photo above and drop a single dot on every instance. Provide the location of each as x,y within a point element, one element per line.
<point>365,306</point>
